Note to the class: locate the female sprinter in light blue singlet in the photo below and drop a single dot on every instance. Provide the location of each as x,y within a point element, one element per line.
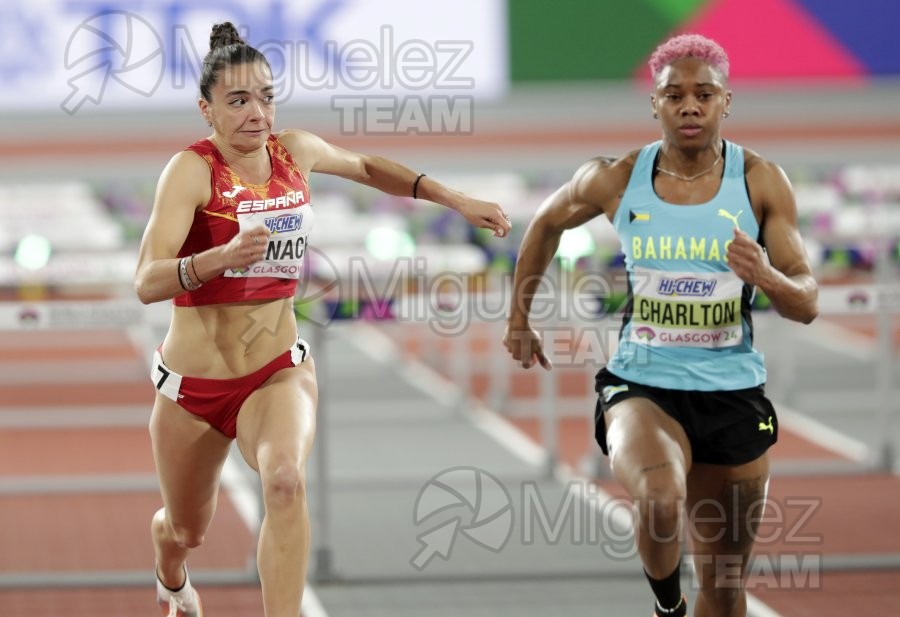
<point>681,409</point>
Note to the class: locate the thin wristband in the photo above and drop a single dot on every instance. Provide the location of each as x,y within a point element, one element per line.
<point>416,186</point>
<point>178,271</point>
<point>194,268</point>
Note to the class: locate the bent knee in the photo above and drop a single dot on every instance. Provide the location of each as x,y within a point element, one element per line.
<point>283,486</point>
<point>187,537</point>
<point>723,596</point>
<point>721,579</point>
<point>660,512</point>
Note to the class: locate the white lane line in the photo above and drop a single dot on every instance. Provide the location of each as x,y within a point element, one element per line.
<point>514,440</point>
<point>838,340</point>
<point>311,605</point>
<point>521,445</point>
<point>383,349</point>
<point>71,417</point>
<point>243,493</point>
<point>822,435</point>
<point>756,608</point>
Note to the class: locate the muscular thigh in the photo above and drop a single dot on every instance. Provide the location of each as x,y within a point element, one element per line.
<point>280,417</point>
<point>645,442</point>
<point>189,455</point>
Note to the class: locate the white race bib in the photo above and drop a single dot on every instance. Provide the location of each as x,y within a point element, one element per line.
<point>686,309</point>
<point>288,233</point>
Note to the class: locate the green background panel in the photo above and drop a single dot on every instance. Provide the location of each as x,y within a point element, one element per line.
<point>583,39</point>
<point>676,11</point>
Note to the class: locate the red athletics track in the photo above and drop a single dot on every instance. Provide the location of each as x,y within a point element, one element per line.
<point>83,378</point>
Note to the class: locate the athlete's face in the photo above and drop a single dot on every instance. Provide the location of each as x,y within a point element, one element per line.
<point>242,109</point>
<point>690,98</point>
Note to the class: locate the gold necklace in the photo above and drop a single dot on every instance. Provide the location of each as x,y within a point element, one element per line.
<point>695,176</point>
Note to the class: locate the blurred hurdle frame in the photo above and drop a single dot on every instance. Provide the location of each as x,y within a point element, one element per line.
<point>141,323</point>
<point>880,299</point>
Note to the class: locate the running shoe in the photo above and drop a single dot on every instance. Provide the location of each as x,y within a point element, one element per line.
<point>182,603</point>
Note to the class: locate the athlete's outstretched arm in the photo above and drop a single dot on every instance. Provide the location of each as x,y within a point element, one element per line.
<point>315,154</point>
<point>785,275</point>
<point>588,194</point>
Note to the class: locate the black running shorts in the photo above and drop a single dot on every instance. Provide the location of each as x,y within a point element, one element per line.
<point>726,427</point>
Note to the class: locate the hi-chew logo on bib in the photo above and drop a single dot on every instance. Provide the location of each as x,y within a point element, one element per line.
<point>284,223</point>
<point>687,286</point>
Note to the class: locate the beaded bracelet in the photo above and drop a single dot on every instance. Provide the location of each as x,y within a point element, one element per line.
<point>184,278</point>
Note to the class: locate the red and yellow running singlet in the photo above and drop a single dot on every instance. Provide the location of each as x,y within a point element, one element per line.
<point>281,204</point>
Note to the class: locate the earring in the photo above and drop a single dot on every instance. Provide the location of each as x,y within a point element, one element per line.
<point>208,123</point>
<point>655,116</point>
<point>726,114</point>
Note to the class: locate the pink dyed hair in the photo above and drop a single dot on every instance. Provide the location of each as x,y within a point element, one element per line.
<point>689,46</point>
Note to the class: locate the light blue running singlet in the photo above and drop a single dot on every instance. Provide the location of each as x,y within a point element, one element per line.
<point>687,323</point>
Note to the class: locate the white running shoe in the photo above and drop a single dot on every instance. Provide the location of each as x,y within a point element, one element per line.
<point>182,603</point>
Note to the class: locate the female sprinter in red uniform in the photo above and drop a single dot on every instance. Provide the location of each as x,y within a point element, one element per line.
<point>226,239</point>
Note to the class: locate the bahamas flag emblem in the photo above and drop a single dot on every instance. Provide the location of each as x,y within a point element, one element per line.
<point>638,217</point>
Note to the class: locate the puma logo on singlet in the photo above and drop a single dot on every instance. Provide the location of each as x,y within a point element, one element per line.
<point>733,218</point>
<point>767,427</point>
<point>235,189</point>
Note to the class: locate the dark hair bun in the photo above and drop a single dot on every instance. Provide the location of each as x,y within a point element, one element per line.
<point>224,34</point>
